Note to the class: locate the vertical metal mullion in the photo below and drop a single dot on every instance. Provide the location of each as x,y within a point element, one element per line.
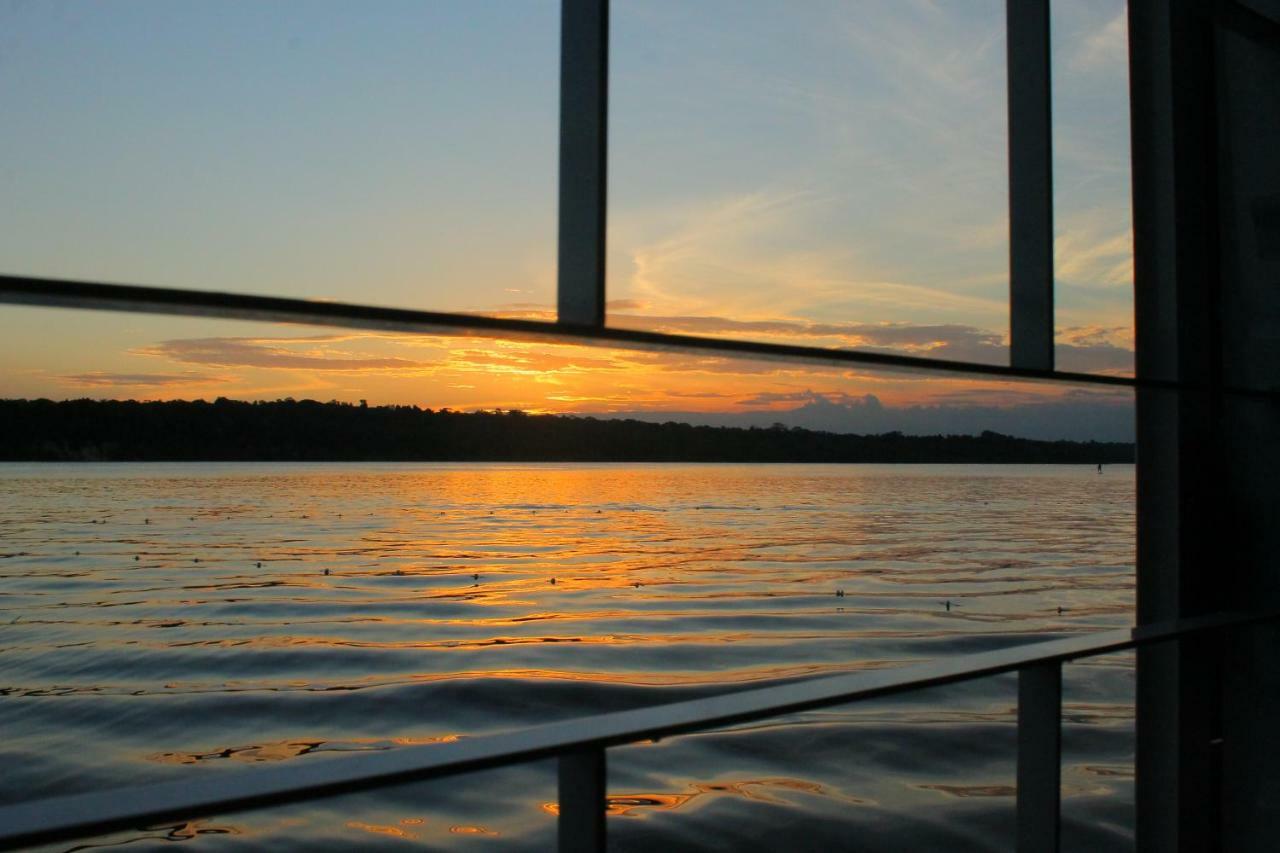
<point>1030,185</point>
<point>1039,757</point>
<point>1187,490</point>
<point>584,108</point>
<point>582,801</point>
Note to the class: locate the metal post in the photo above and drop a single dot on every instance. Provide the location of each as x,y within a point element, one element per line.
<point>582,801</point>
<point>1039,757</point>
<point>1183,487</point>
<point>584,108</point>
<point>1030,185</point>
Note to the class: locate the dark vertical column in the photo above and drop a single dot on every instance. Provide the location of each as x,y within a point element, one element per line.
<point>584,107</point>
<point>582,802</point>
<point>1039,758</point>
<point>1030,185</point>
<point>1181,490</point>
<point>1247,54</point>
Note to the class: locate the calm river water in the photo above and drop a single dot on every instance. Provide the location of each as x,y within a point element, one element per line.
<point>172,621</point>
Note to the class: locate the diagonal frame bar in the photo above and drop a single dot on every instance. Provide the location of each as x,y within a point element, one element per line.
<point>131,298</point>
<point>79,815</point>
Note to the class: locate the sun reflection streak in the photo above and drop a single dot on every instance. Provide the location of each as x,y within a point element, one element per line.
<point>768,790</point>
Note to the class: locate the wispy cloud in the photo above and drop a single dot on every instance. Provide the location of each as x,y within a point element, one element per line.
<point>873,191</point>
<point>1092,253</point>
<point>278,353</point>
<point>1106,47</point>
<point>142,380</point>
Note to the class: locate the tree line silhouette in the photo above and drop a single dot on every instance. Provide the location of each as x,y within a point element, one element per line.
<point>307,430</point>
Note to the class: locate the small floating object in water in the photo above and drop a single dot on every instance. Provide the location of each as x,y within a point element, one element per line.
<point>637,584</point>
<point>1061,610</point>
<point>146,521</point>
<point>136,558</point>
<point>77,553</point>
<point>553,581</point>
<point>597,512</point>
<point>399,572</point>
<point>839,593</point>
<point>195,559</point>
<point>326,571</point>
<point>259,565</point>
<point>948,604</point>
<point>306,516</point>
<point>475,577</point>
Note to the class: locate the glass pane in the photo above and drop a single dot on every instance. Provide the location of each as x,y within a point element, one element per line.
<point>1093,243</point>
<point>397,153</point>
<point>61,354</point>
<point>197,616</point>
<point>828,173</point>
<point>1098,749</point>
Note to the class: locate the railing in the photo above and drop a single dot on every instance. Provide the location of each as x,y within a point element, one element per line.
<point>581,745</point>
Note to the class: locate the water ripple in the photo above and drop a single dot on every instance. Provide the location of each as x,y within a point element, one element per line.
<point>161,621</point>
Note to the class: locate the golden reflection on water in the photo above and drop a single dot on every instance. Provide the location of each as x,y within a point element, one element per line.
<point>467,829</point>
<point>384,829</point>
<point>761,790</point>
<point>972,790</point>
<point>290,611</point>
<point>283,750</point>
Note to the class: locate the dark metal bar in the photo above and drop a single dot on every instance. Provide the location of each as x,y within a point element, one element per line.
<point>1251,22</point>
<point>57,293</point>
<point>255,788</point>
<point>1243,760</point>
<point>1030,185</point>
<point>1039,757</point>
<point>583,780</point>
<point>584,109</point>
<point>1187,497</point>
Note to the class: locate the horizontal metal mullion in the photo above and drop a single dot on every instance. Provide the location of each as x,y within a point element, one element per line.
<point>61,293</point>
<point>79,815</point>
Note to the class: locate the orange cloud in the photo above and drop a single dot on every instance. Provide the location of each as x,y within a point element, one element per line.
<point>465,372</point>
<point>141,380</point>
<point>270,353</point>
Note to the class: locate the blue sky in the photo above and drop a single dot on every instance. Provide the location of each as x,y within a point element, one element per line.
<point>826,172</point>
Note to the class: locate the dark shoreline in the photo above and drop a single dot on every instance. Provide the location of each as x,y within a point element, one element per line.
<point>310,431</point>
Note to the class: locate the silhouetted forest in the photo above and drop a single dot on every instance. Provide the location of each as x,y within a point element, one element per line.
<point>306,430</point>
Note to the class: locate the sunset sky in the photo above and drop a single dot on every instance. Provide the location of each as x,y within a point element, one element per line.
<point>831,173</point>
